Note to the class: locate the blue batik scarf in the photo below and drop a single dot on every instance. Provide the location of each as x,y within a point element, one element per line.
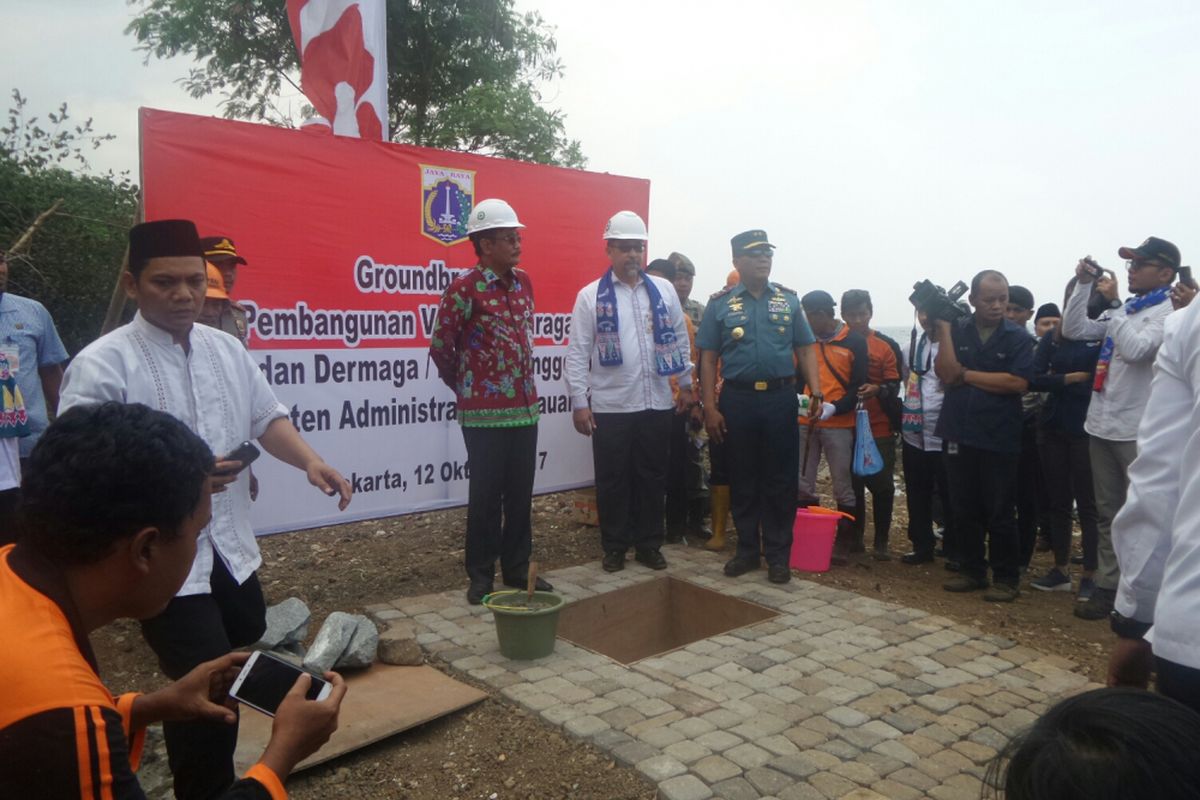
<point>667,358</point>
<point>1107,350</point>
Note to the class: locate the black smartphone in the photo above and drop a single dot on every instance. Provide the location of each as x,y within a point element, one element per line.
<point>1094,269</point>
<point>245,452</point>
<point>265,680</point>
<point>1185,277</point>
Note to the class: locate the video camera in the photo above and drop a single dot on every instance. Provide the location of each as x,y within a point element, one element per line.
<point>938,303</point>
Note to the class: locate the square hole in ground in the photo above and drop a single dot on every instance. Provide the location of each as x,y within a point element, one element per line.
<point>654,617</point>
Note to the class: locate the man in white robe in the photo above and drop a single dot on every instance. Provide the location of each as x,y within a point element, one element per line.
<point>206,379</point>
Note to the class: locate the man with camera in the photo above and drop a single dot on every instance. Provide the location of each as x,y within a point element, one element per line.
<point>1132,333</point>
<point>207,380</point>
<point>985,364</point>
<point>115,500</point>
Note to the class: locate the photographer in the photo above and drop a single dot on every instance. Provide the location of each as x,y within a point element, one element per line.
<point>984,371</point>
<point>1132,333</point>
<point>115,500</point>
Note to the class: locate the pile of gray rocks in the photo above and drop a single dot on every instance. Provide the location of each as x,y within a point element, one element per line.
<point>345,641</point>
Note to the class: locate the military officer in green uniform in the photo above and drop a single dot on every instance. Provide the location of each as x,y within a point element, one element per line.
<point>760,335</point>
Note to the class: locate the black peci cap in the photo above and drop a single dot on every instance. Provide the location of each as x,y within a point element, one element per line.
<point>164,238</point>
<point>1021,297</point>
<point>1047,310</point>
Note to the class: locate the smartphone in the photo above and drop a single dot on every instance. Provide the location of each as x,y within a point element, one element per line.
<point>245,452</point>
<point>1185,277</point>
<point>265,680</point>
<point>1094,269</point>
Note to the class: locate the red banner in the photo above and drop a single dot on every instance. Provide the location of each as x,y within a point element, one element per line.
<point>349,245</point>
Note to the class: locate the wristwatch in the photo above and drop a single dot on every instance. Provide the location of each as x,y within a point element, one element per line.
<point>1127,628</point>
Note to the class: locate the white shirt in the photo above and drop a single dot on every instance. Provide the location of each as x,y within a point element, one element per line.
<point>1115,412</point>
<point>216,390</point>
<point>635,385</point>
<point>932,395</point>
<point>1156,534</point>
<point>10,464</point>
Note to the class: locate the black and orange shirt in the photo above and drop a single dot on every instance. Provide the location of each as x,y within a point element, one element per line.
<point>842,361</point>
<point>62,733</point>
<point>882,371</point>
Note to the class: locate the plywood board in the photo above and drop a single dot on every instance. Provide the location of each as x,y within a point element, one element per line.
<point>380,701</point>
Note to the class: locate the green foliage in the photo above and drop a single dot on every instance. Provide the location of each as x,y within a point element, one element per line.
<point>462,74</point>
<point>73,260</point>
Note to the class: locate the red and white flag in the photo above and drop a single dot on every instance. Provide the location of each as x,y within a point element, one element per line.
<point>343,62</point>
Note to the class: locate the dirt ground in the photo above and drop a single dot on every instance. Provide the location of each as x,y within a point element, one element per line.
<point>496,750</point>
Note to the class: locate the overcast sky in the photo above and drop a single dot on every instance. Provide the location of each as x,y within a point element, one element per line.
<point>876,142</point>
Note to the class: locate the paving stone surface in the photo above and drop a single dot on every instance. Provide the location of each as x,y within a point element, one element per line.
<point>838,696</point>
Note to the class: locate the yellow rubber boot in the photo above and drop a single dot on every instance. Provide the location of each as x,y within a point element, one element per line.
<point>719,498</point>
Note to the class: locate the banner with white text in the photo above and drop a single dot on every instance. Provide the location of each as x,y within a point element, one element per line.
<point>349,245</point>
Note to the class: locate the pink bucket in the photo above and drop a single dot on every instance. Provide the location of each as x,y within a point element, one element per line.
<point>812,538</point>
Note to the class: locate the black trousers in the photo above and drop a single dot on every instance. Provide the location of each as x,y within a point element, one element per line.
<point>10,499</point>
<point>499,501</point>
<point>678,489</point>
<point>925,480</point>
<point>983,488</point>
<point>1032,502</point>
<point>1067,469</point>
<point>1178,682</point>
<point>762,448</point>
<point>191,630</point>
<point>630,452</point>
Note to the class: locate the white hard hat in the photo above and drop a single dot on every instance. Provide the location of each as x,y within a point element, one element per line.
<point>488,214</point>
<point>625,225</point>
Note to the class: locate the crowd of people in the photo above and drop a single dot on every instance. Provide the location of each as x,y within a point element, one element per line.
<point>131,505</point>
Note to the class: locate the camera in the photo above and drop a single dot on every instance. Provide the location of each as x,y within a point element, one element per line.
<point>939,304</point>
<point>1093,269</point>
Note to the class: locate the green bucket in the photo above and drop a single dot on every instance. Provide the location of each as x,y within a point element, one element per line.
<point>525,634</point>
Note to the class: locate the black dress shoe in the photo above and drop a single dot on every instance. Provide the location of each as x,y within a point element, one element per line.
<point>916,557</point>
<point>539,585</point>
<point>651,558</point>
<point>477,591</point>
<point>736,566</point>
<point>613,562</point>
<point>779,573</point>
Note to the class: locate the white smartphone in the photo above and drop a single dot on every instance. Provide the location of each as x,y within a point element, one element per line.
<point>265,680</point>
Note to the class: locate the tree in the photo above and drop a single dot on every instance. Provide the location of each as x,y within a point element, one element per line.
<point>73,259</point>
<point>462,74</point>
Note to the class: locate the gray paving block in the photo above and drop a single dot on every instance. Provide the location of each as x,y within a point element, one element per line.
<point>768,781</point>
<point>735,789</point>
<point>748,756</point>
<point>684,787</point>
<point>714,769</point>
<point>660,767</point>
<point>633,753</point>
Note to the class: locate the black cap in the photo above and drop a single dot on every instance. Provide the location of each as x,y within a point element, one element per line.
<point>818,300</point>
<point>219,248</point>
<point>164,238</point>
<point>749,242</point>
<point>1021,297</point>
<point>1153,249</point>
<point>1047,310</point>
<point>662,267</point>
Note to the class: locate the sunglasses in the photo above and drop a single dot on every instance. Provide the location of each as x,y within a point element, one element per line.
<point>1134,266</point>
<point>629,247</point>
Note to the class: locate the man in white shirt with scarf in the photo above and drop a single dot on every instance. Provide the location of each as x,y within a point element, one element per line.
<point>207,380</point>
<point>628,337</point>
<point>1131,335</point>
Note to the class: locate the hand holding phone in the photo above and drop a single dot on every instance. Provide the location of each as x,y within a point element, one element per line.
<point>244,454</point>
<point>266,680</point>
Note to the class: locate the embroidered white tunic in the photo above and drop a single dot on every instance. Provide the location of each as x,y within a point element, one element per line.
<point>216,390</point>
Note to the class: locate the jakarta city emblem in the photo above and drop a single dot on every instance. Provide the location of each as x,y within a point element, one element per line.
<point>447,195</point>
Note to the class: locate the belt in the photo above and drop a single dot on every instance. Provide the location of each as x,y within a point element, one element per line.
<point>761,386</point>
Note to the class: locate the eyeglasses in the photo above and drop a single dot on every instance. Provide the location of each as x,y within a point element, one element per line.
<point>629,247</point>
<point>762,252</point>
<point>513,239</point>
